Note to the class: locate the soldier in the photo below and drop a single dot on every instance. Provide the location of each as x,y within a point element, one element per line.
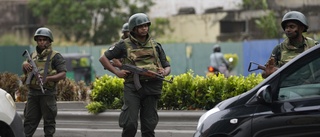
<point>125,34</point>
<point>293,23</point>
<point>125,31</point>
<point>52,68</point>
<point>142,51</point>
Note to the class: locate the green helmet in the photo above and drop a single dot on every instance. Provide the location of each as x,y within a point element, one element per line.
<point>295,15</point>
<point>125,27</point>
<point>138,19</point>
<point>43,32</point>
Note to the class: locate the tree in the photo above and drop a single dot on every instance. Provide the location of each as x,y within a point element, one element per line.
<point>269,25</point>
<point>96,21</point>
<point>254,4</point>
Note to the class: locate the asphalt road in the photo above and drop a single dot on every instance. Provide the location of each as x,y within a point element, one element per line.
<point>73,120</point>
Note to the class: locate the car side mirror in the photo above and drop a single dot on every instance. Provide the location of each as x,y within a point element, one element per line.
<point>264,95</point>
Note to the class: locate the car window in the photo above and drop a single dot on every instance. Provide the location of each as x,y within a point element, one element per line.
<point>304,82</point>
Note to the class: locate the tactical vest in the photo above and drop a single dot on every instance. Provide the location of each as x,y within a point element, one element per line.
<point>287,52</point>
<point>142,56</point>
<point>40,62</point>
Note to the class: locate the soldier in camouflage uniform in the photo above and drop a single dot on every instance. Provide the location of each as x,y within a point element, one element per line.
<point>142,51</point>
<point>125,34</point>
<point>125,31</point>
<point>43,105</point>
<point>293,23</point>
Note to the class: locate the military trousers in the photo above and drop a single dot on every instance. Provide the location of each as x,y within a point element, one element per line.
<point>37,107</point>
<point>137,105</point>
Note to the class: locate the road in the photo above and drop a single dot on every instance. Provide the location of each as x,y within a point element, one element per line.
<point>73,120</point>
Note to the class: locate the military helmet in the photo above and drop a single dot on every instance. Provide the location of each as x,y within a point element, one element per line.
<point>138,19</point>
<point>43,32</point>
<point>125,27</point>
<point>216,48</point>
<point>295,15</point>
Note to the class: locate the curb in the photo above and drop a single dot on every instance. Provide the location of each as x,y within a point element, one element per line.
<point>75,110</point>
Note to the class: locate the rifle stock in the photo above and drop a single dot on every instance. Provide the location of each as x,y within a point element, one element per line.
<point>257,68</point>
<point>35,71</point>
<point>262,67</point>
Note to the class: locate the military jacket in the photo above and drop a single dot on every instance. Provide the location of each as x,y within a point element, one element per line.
<point>148,55</point>
<point>284,52</point>
<point>56,64</point>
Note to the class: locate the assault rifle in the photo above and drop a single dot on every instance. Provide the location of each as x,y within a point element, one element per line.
<point>35,71</point>
<point>143,72</point>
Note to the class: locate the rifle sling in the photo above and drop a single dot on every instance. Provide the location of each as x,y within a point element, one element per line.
<point>45,70</point>
<point>45,73</point>
<point>29,78</point>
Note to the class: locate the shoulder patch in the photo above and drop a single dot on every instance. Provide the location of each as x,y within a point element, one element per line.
<point>111,48</point>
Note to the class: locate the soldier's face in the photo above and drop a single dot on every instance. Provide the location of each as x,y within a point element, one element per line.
<point>142,30</point>
<point>126,34</point>
<point>292,30</point>
<point>42,42</point>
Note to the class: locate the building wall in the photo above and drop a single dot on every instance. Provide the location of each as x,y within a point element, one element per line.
<point>167,8</point>
<point>194,28</point>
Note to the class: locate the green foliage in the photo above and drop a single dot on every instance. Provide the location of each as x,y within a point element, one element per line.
<point>108,90</point>
<point>88,20</point>
<point>232,59</point>
<point>96,107</point>
<point>158,27</point>
<point>9,40</point>
<point>269,25</point>
<point>254,4</point>
<point>187,92</point>
<point>181,85</point>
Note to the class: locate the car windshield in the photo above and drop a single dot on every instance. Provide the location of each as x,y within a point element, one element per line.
<point>302,83</point>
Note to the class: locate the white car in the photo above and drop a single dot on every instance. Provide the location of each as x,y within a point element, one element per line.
<point>10,121</point>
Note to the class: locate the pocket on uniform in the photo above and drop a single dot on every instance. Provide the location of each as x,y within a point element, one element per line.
<point>52,106</point>
<point>123,118</point>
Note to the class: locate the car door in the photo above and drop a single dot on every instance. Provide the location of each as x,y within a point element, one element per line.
<point>295,110</point>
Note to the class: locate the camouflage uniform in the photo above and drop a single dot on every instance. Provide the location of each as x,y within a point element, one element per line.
<point>284,52</point>
<point>149,55</point>
<point>292,45</point>
<point>40,105</point>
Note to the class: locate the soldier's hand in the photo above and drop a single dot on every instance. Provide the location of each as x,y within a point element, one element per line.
<point>43,81</point>
<point>161,71</point>
<point>122,73</point>
<point>270,67</point>
<point>27,66</point>
<point>116,63</point>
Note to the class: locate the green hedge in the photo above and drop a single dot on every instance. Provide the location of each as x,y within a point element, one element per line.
<point>187,92</point>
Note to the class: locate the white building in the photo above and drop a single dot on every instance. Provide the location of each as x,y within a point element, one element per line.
<point>166,8</point>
